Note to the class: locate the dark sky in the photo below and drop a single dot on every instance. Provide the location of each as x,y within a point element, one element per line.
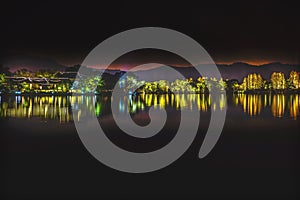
<point>247,31</point>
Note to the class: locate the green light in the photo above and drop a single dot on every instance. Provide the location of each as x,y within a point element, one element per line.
<point>98,109</point>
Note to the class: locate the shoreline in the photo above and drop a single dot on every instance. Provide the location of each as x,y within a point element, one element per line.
<point>137,94</point>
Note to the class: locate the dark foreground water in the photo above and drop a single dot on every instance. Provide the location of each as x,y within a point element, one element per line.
<point>257,155</point>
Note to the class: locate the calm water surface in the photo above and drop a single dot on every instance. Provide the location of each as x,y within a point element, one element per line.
<point>59,107</point>
<point>257,155</point>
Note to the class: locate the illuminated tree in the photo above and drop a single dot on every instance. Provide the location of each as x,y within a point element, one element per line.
<point>2,78</point>
<point>24,73</point>
<point>24,87</point>
<point>2,82</point>
<point>188,87</point>
<point>211,83</point>
<point>200,85</point>
<point>243,86</point>
<point>232,85</point>
<point>260,82</point>
<point>100,84</point>
<point>278,81</point>
<point>163,86</point>
<point>148,87</point>
<point>45,74</point>
<point>293,81</point>
<point>253,82</point>
<point>131,82</point>
<point>181,86</point>
<point>222,84</point>
<point>88,85</point>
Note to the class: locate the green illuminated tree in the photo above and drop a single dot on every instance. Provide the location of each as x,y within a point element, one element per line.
<point>23,73</point>
<point>131,83</point>
<point>181,86</point>
<point>222,84</point>
<point>2,82</point>
<point>200,85</point>
<point>45,74</point>
<point>163,86</point>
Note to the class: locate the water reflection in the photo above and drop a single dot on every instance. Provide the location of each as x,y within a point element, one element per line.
<point>186,101</point>
<point>43,107</point>
<point>253,104</point>
<point>278,105</point>
<point>294,105</point>
<point>59,107</point>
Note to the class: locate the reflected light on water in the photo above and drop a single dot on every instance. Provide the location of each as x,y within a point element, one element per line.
<point>294,106</point>
<point>59,107</point>
<point>278,105</point>
<point>252,103</point>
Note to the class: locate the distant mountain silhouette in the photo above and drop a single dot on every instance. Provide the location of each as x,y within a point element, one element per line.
<point>236,70</point>
<point>232,71</point>
<point>240,70</point>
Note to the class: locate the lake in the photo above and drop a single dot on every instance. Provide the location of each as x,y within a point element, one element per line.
<point>257,154</point>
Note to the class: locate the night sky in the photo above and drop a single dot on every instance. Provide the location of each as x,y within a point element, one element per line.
<point>249,32</point>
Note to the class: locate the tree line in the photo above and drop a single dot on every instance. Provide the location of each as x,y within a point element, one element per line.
<point>97,84</point>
